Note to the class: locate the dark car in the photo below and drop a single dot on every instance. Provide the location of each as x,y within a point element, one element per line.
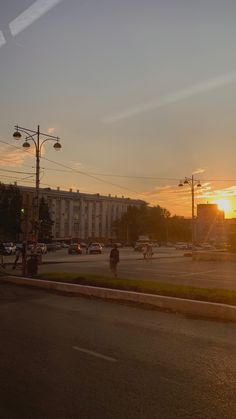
<point>74,248</point>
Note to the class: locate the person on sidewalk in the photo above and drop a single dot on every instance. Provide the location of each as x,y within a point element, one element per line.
<point>114,259</point>
<point>145,250</point>
<point>18,255</point>
<point>2,252</point>
<point>149,251</point>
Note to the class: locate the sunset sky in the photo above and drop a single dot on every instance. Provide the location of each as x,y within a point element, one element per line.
<point>141,93</point>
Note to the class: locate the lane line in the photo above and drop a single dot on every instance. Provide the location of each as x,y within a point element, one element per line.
<point>96,354</point>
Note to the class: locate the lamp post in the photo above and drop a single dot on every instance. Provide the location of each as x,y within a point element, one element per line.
<point>34,136</point>
<point>192,183</point>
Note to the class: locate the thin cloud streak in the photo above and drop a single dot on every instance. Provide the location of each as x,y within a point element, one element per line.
<point>191,91</point>
<point>2,39</point>
<point>30,15</point>
<point>51,130</point>
<point>12,157</point>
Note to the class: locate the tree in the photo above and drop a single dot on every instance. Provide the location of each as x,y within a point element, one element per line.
<point>179,229</point>
<point>10,212</point>
<point>131,224</point>
<point>155,222</point>
<point>45,222</point>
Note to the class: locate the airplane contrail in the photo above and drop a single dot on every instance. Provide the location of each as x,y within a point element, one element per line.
<point>177,96</point>
<point>2,39</point>
<point>31,14</point>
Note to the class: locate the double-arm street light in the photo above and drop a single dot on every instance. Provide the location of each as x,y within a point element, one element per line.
<point>192,183</point>
<point>35,137</point>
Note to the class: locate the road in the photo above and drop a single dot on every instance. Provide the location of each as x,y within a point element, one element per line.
<point>168,265</point>
<point>64,357</point>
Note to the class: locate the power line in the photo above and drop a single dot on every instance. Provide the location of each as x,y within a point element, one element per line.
<point>15,171</point>
<point>77,171</point>
<point>94,175</point>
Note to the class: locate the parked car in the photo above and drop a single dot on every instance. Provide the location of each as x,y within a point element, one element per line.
<point>94,248</point>
<point>182,246</point>
<point>74,248</point>
<point>9,248</point>
<point>138,247</point>
<point>51,247</point>
<point>42,248</point>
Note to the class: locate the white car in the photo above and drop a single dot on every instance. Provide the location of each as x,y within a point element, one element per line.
<point>182,246</point>
<point>41,248</point>
<point>94,248</point>
<point>10,248</point>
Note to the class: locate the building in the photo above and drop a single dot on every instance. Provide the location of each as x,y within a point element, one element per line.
<point>210,224</point>
<point>77,215</point>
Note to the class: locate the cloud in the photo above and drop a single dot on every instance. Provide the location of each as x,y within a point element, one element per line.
<point>229,191</point>
<point>51,130</point>
<point>2,39</point>
<point>11,157</point>
<point>31,14</point>
<point>199,171</point>
<point>174,97</point>
<point>75,164</point>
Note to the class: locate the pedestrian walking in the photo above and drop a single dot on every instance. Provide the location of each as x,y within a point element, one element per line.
<point>149,251</point>
<point>2,252</point>
<point>114,259</point>
<point>145,251</point>
<point>17,256</point>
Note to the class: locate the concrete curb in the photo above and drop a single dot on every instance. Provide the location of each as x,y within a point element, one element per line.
<point>180,305</point>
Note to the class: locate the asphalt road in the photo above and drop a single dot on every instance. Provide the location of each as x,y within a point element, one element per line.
<point>167,265</point>
<point>64,357</point>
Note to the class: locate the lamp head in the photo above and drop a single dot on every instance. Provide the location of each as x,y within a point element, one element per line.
<point>186,182</point>
<point>26,144</point>
<point>17,135</point>
<point>57,146</point>
<point>181,183</point>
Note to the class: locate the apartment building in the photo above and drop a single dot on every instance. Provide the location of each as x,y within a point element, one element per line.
<point>78,215</point>
<point>210,223</point>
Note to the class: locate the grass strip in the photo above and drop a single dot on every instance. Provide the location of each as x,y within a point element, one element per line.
<point>215,295</point>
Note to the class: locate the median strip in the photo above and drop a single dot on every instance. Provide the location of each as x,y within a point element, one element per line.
<point>208,303</point>
<point>216,295</point>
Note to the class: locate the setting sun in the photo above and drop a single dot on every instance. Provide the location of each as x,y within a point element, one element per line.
<point>224,204</point>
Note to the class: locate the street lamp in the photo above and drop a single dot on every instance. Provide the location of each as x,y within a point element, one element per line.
<point>34,136</point>
<point>192,183</point>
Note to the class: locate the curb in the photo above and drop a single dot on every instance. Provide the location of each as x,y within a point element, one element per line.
<point>180,305</point>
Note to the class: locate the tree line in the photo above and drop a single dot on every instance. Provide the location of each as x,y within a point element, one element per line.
<point>155,222</point>
<point>13,213</point>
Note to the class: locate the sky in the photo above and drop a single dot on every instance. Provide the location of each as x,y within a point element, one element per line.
<point>141,94</point>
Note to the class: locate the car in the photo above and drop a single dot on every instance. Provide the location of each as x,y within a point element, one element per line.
<point>94,248</point>
<point>42,248</point>
<point>74,248</point>
<point>182,246</point>
<point>64,245</point>
<point>9,248</point>
<point>138,247</point>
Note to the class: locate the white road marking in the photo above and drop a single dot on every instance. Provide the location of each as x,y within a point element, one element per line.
<point>96,354</point>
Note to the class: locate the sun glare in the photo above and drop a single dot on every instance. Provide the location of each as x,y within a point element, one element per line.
<point>224,204</point>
